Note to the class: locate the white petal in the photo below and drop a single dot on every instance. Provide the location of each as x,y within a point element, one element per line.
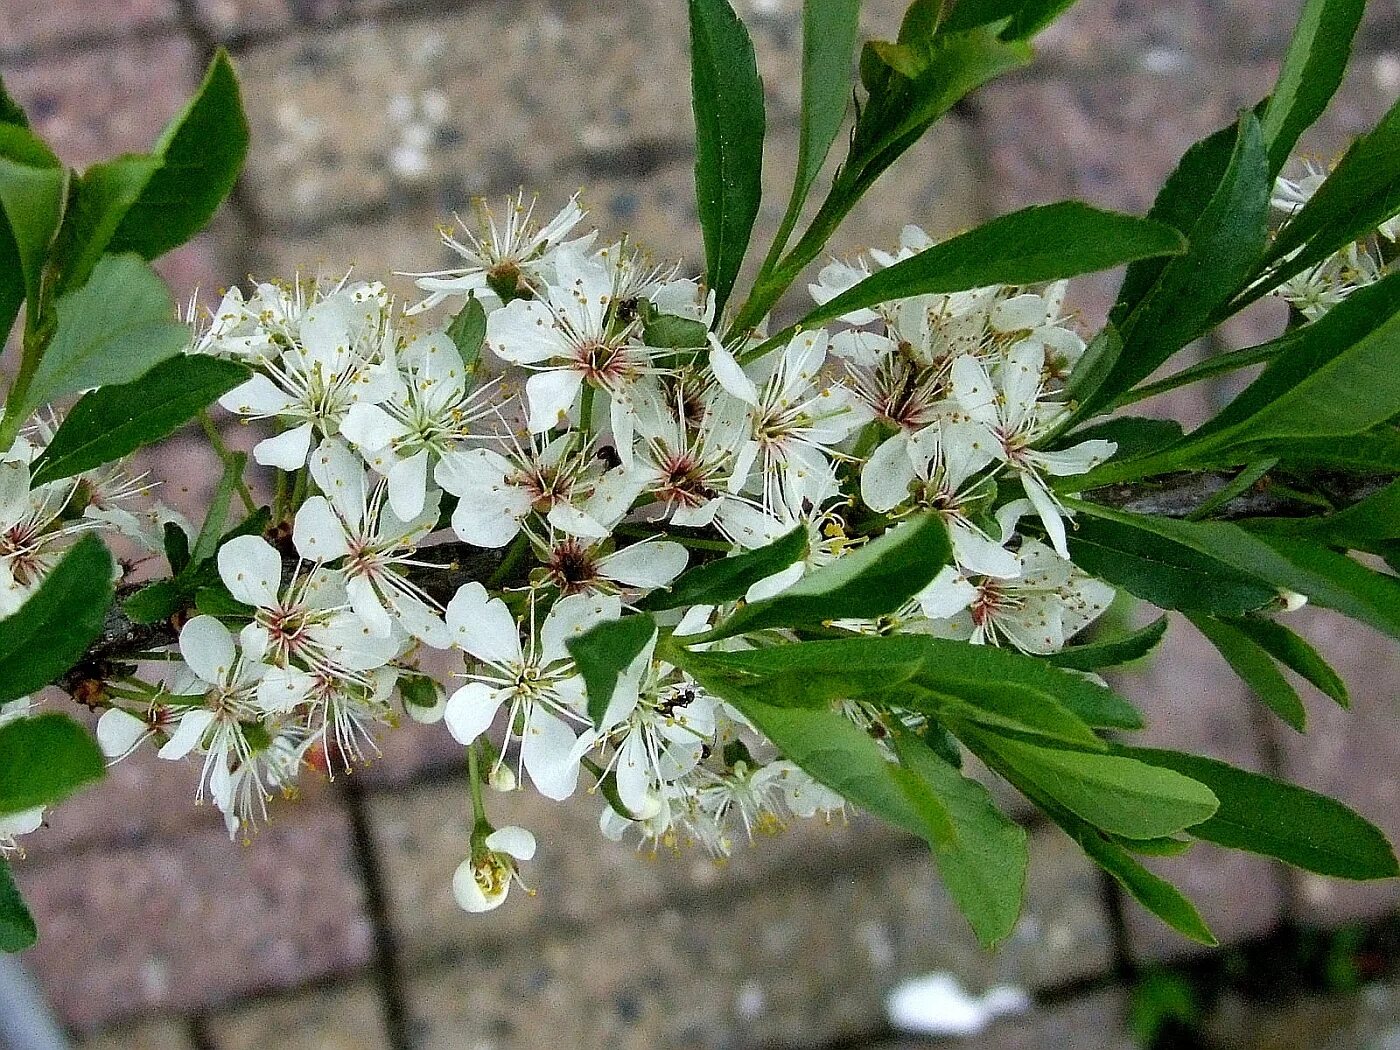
<point>973,389</point>
<point>408,485</point>
<point>466,891</point>
<point>287,451</point>
<point>546,752</point>
<point>368,606</point>
<point>949,593</point>
<point>259,396</point>
<point>118,732</point>
<point>570,617</point>
<point>887,475</point>
<point>318,533</point>
<point>731,375</point>
<point>419,620</point>
<point>571,521</point>
<point>979,554</point>
<point>207,647</point>
<point>490,520</point>
<point>340,475</point>
<point>1049,512</point>
<point>775,584</point>
<point>282,689</point>
<point>369,427</point>
<point>634,784</point>
<point>471,710</point>
<point>513,841</point>
<point>188,734</point>
<point>1078,459</point>
<point>551,395</point>
<point>251,569</point>
<point>645,565</point>
<point>523,333</point>
<point>483,627</point>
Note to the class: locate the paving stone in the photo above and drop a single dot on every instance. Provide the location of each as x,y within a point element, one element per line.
<point>29,26</point>
<point>185,924</point>
<point>1350,754</point>
<point>1193,702</point>
<point>158,1035</point>
<point>786,964</point>
<point>1093,1022</point>
<point>1111,140</point>
<point>94,104</point>
<point>1302,1022</point>
<point>333,1018</point>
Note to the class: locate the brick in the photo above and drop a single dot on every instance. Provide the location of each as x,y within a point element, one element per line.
<point>157,1035</point>
<point>795,965</point>
<point>1193,702</point>
<point>26,27</point>
<point>190,923</point>
<point>1349,754</point>
<point>334,1018</point>
<point>95,104</point>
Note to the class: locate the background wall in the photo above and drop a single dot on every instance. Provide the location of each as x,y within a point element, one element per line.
<point>372,121</point>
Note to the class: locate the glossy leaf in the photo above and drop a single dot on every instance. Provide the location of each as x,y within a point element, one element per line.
<point>1293,652</point>
<point>201,153</point>
<point>101,199</point>
<point>1111,652</point>
<point>17,929</point>
<point>829,29</point>
<point>53,628</point>
<point>43,760</point>
<point>112,330</point>
<point>1113,793</point>
<point>1312,71</point>
<point>871,581</point>
<point>727,100</point>
<point>1036,244</point>
<point>116,420</point>
<point>984,862</point>
<point>604,654</point>
<point>1263,815</point>
<point>33,190</point>
<point>1256,669</point>
<point>728,579</point>
<point>1368,525</point>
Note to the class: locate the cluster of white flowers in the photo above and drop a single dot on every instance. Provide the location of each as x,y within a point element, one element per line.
<point>1321,287</point>
<point>599,479</point>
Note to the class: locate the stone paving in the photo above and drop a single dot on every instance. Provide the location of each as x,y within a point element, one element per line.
<point>373,120</point>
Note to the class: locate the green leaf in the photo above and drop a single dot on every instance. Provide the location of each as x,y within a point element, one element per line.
<point>101,199</point>
<point>1116,794</point>
<point>829,29</point>
<point>1368,525</point>
<point>117,420</point>
<point>1361,192</point>
<point>1134,435</point>
<point>1294,653</point>
<point>467,332</point>
<point>201,153</point>
<point>33,191</point>
<point>871,581</point>
<point>17,929</point>
<point>1376,452</point>
<point>1025,17</point>
<point>11,112</point>
<point>984,863</point>
<point>1256,669</point>
<point>1036,244</point>
<point>1226,239</point>
<point>728,579</point>
<point>727,100</point>
<point>670,332</point>
<point>43,760</point>
<point>605,655</point>
<point>834,752</point>
<point>1136,552</point>
<point>53,628</point>
<point>211,532</point>
<point>1112,652</point>
<point>157,601</point>
<point>112,330</point>
<point>1312,71</point>
<point>1263,815</point>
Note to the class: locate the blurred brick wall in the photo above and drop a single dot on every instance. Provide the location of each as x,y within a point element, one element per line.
<point>373,120</point>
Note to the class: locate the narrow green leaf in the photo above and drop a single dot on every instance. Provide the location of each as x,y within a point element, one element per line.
<point>1263,815</point>
<point>11,112</point>
<point>211,532</point>
<point>728,579</point>
<point>984,863</point>
<point>1312,71</point>
<point>1361,192</point>
<point>157,601</point>
<point>1134,435</point>
<point>467,332</point>
<point>1256,669</point>
<point>1112,652</point>
<point>999,705</point>
<point>727,100</point>
<point>1226,239</point>
<point>117,420</point>
<point>17,929</point>
<point>605,654</point>
<point>1113,793</point>
<point>1042,243</point>
<point>101,199</point>
<point>1293,652</point>
<point>53,628</point>
<point>1374,452</point>
<point>874,580</point>
<point>43,760</point>
<point>1132,552</point>
<point>33,191</point>
<point>1369,525</point>
<point>112,330</point>
<point>201,153</point>
<point>829,29</point>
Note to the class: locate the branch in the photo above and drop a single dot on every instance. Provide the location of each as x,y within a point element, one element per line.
<point>1176,496</point>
